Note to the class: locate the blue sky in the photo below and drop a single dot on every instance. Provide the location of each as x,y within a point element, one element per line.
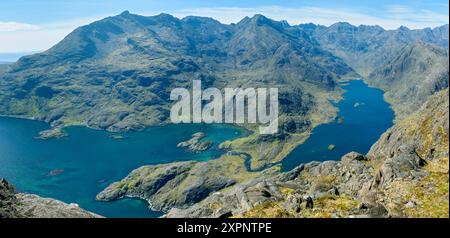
<point>29,25</point>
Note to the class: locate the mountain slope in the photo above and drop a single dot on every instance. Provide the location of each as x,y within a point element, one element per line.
<point>410,65</point>
<point>419,70</point>
<point>116,74</point>
<point>365,48</point>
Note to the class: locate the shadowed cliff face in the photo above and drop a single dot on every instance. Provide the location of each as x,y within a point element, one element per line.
<point>419,70</point>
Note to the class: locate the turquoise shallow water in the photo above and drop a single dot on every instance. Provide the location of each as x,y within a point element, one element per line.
<point>365,116</point>
<point>91,160</point>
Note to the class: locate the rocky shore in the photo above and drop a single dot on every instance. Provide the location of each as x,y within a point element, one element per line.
<point>55,132</point>
<point>164,186</point>
<point>195,144</point>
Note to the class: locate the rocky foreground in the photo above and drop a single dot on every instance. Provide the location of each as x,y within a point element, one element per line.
<point>405,174</point>
<point>20,205</point>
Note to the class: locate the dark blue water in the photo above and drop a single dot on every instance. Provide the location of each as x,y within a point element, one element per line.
<point>90,160</point>
<point>365,116</point>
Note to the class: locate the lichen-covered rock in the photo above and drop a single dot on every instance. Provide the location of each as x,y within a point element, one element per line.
<point>236,200</point>
<point>37,207</point>
<point>8,200</point>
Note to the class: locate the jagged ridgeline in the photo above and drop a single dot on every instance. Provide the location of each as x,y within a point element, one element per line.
<point>409,65</point>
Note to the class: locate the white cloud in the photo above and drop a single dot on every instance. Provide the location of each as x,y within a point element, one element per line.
<point>22,37</point>
<point>16,26</point>
<point>415,18</point>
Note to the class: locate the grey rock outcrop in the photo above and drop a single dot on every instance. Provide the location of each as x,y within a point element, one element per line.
<point>21,205</point>
<point>8,200</point>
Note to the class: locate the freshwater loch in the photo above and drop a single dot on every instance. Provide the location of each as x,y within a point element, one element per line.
<point>363,116</point>
<point>74,169</point>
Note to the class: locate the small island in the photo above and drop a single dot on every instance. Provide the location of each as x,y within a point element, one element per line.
<point>194,144</point>
<point>331,147</point>
<point>116,137</point>
<point>55,172</point>
<point>358,104</point>
<point>51,133</point>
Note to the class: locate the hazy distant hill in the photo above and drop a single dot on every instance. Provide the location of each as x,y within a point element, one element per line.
<point>365,48</point>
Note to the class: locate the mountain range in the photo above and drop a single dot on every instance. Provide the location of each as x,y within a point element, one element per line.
<point>116,74</point>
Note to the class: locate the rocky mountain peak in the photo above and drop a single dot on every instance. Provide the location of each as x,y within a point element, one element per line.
<point>165,17</point>
<point>403,28</point>
<point>259,18</point>
<point>199,20</point>
<point>125,13</point>
<point>343,27</point>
